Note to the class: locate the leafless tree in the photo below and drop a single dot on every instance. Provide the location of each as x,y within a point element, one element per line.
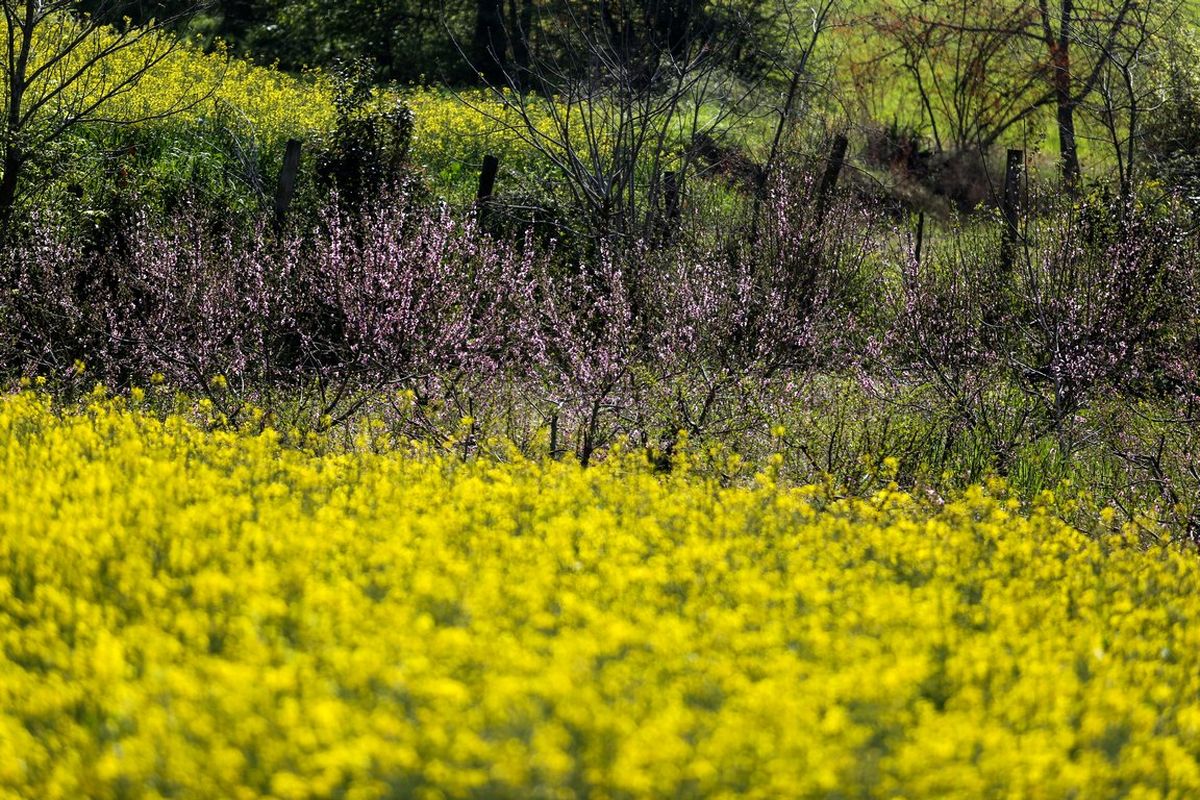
<point>986,67</point>
<point>613,96</point>
<point>1125,92</point>
<point>963,61</point>
<point>55,76</point>
<point>1070,42</point>
<point>803,32</point>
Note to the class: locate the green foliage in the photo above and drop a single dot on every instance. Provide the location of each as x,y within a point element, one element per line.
<point>1173,134</point>
<point>200,124</point>
<point>370,144</point>
<point>454,131</point>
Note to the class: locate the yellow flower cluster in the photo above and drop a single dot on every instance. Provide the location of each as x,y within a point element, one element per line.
<point>269,104</point>
<point>197,614</point>
<point>181,82</point>
<point>454,132</point>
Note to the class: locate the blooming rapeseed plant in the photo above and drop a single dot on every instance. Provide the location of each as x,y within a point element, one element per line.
<point>273,105</point>
<point>210,614</point>
<point>184,82</point>
<point>453,133</point>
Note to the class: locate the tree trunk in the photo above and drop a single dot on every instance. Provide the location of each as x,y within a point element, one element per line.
<point>1060,58</point>
<point>1067,145</point>
<point>17,85</point>
<point>672,22</point>
<point>8,191</point>
<point>491,40</point>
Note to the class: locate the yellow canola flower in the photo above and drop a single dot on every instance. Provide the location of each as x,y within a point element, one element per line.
<point>157,79</point>
<point>194,614</point>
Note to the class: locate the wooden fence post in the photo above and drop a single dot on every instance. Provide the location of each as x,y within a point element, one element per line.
<point>286,188</point>
<point>920,244</point>
<point>487,184</point>
<point>1011,208</point>
<point>554,436</point>
<point>671,197</point>
<point>837,159</point>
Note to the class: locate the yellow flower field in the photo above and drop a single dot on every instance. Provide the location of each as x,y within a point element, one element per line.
<point>183,83</point>
<point>199,614</point>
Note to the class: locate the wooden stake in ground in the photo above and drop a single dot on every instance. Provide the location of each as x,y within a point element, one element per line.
<point>487,184</point>
<point>920,243</point>
<point>1011,208</point>
<point>837,159</point>
<point>286,189</point>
